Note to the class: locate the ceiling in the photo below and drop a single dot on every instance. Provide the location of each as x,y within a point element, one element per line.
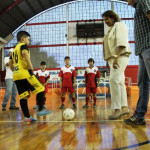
<point>14,13</point>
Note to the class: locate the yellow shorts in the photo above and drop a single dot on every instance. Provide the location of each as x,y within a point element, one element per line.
<point>31,84</point>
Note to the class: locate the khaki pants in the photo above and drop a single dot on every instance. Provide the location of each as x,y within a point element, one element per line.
<point>117,83</point>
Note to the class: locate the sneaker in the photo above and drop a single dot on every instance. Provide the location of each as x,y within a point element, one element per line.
<point>3,108</point>
<point>62,106</point>
<point>126,112</point>
<point>31,119</point>
<point>35,107</point>
<point>115,116</point>
<point>43,112</point>
<point>94,106</point>
<point>74,106</point>
<point>86,106</point>
<point>135,121</point>
<point>13,108</point>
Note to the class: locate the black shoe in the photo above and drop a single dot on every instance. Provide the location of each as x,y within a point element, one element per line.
<point>86,106</point>
<point>135,121</point>
<point>74,106</point>
<point>94,106</point>
<point>3,108</point>
<point>62,106</point>
<point>13,108</point>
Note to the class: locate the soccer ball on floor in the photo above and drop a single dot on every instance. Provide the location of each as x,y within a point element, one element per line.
<point>68,114</point>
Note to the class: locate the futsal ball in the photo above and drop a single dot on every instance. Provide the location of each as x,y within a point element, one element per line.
<point>68,114</point>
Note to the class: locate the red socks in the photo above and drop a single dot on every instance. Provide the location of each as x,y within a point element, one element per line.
<point>63,100</point>
<point>73,100</point>
<point>94,100</point>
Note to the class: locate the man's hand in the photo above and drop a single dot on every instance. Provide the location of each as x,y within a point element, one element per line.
<point>7,64</point>
<point>148,15</point>
<point>115,64</point>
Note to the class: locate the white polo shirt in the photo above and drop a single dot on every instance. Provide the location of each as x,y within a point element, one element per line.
<point>9,73</point>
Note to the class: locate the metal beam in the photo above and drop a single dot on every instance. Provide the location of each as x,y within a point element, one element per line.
<point>13,18</point>
<point>21,12</point>
<point>51,3</point>
<point>7,24</point>
<point>41,4</point>
<point>11,6</point>
<point>30,6</point>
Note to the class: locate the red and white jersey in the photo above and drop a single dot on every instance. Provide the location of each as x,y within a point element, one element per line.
<point>91,74</point>
<point>67,74</point>
<point>43,75</point>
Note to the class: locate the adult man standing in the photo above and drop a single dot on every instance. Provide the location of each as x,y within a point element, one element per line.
<point>142,49</point>
<point>10,86</point>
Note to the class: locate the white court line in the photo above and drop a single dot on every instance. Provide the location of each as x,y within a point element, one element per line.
<point>72,121</point>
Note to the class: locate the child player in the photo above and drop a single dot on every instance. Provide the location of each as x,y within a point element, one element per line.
<point>67,82</point>
<point>26,82</point>
<point>44,76</point>
<point>91,75</point>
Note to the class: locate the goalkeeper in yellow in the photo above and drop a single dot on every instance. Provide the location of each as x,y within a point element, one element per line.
<point>24,78</point>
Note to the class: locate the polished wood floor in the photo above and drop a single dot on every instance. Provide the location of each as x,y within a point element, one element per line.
<point>90,130</point>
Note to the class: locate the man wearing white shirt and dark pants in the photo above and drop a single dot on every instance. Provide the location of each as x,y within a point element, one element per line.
<point>10,86</point>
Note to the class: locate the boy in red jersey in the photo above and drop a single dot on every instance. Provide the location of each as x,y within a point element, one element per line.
<point>91,75</point>
<point>44,76</point>
<point>67,82</point>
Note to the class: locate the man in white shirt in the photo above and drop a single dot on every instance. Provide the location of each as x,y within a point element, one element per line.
<point>10,86</point>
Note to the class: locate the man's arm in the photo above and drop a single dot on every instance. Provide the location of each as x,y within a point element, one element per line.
<point>11,64</point>
<point>25,54</point>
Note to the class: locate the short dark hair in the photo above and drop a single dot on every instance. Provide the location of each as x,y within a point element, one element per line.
<point>43,63</point>
<point>67,57</point>
<point>111,14</point>
<point>91,60</point>
<point>21,34</point>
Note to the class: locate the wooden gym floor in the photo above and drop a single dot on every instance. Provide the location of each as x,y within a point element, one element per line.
<point>90,130</point>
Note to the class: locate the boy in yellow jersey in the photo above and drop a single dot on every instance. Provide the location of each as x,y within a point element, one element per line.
<point>24,78</point>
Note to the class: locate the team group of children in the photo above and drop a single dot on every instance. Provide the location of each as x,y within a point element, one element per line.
<point>27,82</point>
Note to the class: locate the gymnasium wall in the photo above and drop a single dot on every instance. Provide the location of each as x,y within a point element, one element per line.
<point>48,35</point>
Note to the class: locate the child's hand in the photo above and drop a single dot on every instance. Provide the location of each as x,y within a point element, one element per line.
<point>74,84</point>
<point>61,85</point>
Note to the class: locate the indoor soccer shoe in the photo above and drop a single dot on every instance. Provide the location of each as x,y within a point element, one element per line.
<point>35,107</point>
<point>86,106</point>
<point>43,112</point>
<point>62,106</point>
<point>74,106</point>
<point>31,119</point>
